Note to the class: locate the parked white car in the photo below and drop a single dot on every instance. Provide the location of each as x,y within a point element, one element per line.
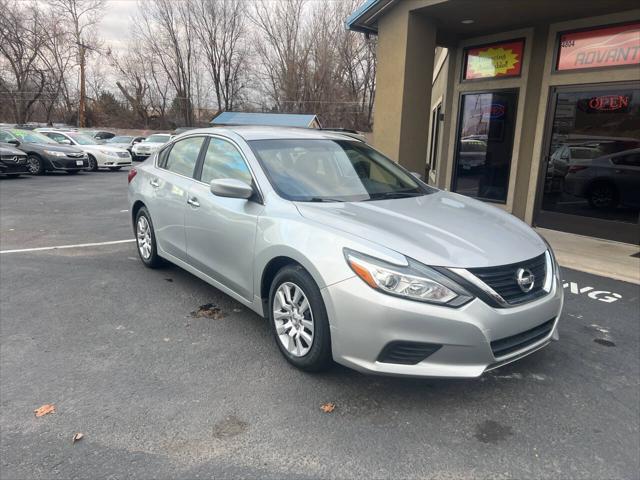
<point>100,155</point>
<point>149,146</point>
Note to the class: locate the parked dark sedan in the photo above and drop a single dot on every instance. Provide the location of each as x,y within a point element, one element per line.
<point>13,162</point>
<point>45,154</point>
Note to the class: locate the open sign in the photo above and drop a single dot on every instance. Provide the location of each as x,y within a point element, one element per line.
<point>495,110</point>
<point>608,103</point>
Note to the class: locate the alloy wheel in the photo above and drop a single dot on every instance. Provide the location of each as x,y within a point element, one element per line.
<point>144,238</point>
<point>293,319</point>
<point>602,196</point>
<point>34,165</point>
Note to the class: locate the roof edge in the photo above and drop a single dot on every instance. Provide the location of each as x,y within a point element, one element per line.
<point>364,19</point>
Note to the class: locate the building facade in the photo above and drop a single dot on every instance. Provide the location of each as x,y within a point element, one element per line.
<point>532,105</point>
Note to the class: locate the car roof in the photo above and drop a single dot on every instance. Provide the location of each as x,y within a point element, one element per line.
<point>273,133</point>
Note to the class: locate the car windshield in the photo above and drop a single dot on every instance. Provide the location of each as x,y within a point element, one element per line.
<point>157,139</point>
<point>312,170</point>
<point>82,139</point>
<point>120,139</point>
<point>31,136</point>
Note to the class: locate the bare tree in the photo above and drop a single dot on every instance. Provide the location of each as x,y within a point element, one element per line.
<point>166,28</point>
<point>57,54</point>
<point>22,77</point>
<point>283,51</point>
<point>81,15</point>
<point>220,26</point>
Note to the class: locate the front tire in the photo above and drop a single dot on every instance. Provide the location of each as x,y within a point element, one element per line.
<point>146,239</point>
<point>602,195</point>
<point>93,164</point>
<point>36,165</point>
<point>299,319</point>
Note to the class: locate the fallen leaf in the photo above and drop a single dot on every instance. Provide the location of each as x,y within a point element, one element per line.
<point>208,310</point>
<point>44,410</point>
<point>328,407</point>
<point>77,436</point>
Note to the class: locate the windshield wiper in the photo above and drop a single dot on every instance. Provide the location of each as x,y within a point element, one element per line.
<point>323,199</point>
<point>390,195</point>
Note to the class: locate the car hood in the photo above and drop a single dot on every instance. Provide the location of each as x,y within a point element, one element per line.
<point>8,149</point>
<point>440,229</point>
<point>119,146</point>
<point>54,147</point>
<point>107,148</point>
<point>151,144</point>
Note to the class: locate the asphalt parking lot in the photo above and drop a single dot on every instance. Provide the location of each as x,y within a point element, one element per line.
<point>159,392</point>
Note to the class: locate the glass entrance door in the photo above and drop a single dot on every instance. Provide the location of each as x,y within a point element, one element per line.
<point>590,181</point>
<point>484,144</point>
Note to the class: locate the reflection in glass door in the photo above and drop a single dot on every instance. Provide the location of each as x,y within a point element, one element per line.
<point>484,144</point>
<point>591,180</point>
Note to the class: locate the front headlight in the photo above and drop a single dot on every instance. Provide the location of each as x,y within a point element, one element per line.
<point>55,153</point>
<point>109,153</point>
<point>414,281</point>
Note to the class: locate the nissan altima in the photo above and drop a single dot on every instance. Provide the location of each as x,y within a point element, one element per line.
<point>349,256</point>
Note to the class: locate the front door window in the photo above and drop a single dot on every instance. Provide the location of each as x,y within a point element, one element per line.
<point>485,144</point>
<point>592,168</point>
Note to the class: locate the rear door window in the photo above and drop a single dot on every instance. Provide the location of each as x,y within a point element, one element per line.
<point>183,156</point>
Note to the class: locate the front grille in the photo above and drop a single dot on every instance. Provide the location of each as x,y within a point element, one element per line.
<point>75,155</point>
<point>502,279</point>
<point>407,353</point>
<point>123,154</point>
<point>507,345</point>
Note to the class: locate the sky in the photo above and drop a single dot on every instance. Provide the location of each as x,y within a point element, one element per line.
<point>115,26</point>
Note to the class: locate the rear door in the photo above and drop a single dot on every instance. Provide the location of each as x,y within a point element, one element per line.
<point>221,231</point>
<point>169,184</point>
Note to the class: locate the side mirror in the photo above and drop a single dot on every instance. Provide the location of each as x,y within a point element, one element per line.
<point>14,141</point>
<point>417,175</point>
<point>65,141</point>
<point>231,188</point>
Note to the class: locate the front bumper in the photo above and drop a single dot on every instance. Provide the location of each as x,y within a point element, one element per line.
<point>67,164</point>
<point>14,167</point>
<point>365,321</point>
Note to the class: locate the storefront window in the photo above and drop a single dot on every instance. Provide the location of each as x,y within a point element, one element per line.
<point>593,165</point>
<point>485,144</point>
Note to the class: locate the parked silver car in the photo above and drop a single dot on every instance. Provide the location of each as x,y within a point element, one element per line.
<point>347,254</point>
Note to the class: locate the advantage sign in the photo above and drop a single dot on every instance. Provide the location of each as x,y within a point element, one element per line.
<point>601,47</point>
<point>496,60</point>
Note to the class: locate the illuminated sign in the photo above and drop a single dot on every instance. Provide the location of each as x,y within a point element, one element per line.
<point>601,47</point>
<point>609,103</point>
<point>494,61</point>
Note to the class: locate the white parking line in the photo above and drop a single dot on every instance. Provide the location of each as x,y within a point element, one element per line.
<point>60,247</point>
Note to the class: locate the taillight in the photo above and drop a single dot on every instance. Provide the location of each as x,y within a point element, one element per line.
<point>132,173</point>
<point>576,168</point>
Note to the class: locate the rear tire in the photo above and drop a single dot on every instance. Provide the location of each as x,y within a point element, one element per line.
<point>36,165</point>
<point>146,240</point>
<point>288,316</point>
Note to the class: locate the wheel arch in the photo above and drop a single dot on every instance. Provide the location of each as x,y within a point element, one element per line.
<point>137,205</point>
<point>275,264</point>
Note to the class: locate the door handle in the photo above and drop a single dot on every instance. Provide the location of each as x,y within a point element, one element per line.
<point>154,183</point>
<point>193,201</point>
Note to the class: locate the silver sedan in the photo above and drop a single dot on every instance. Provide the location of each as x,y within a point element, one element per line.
<point>350,257</point>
